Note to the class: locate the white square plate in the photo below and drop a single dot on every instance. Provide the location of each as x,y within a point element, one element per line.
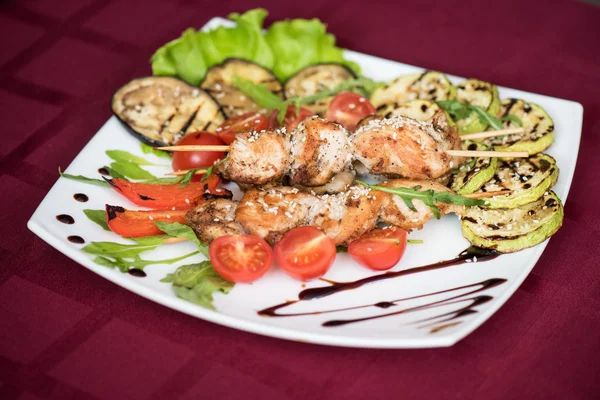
<point>443,241</point>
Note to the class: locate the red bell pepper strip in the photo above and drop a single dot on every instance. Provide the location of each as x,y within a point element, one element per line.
<point>170,196</point>
<point>129,223</point>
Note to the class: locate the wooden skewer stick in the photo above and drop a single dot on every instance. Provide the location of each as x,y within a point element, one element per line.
<point>500,132</point>
<point>453,153</point>
<point>485,153</point>
<point>185,171</point>
<point>483,195</point>
<point>200,147</point>
<point>174,240</point>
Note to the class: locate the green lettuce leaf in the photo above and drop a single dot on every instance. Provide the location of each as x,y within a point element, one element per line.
<point>299,43</point>
<point>245,40</point>
<point>287,47</point>
<point>189,56</point>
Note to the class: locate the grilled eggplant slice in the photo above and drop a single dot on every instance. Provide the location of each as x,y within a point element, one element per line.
<point>528,179</point>
<point>430,85</point>
<point>159,110</point>
<point>510,230</point>
<point>474,173</point>
<point>538,126</point>
<point>314,79</point>
<point>218,82</point>
<point>481,94</point>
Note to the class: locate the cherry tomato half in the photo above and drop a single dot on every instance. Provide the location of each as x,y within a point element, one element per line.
<point>348,108</point>
<point>305,253</point>
<point>291,120</point>
<point>379,249</point>
<point>247,122</point>
<point>183,160</point>
<point>240,258</point>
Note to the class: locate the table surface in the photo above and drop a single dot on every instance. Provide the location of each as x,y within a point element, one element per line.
<point>67,333</point>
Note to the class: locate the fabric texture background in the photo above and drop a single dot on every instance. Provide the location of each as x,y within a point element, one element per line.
<point>66,333</point>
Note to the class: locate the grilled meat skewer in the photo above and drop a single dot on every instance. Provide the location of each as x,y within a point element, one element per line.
<point>271,211</point>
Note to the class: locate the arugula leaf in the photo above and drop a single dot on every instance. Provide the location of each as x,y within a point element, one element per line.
<point>164,181</point>
<point>114,174</point>
<point>428,197</point>
<point>187,178</point>
<point>341,249</point>
<point>486,117</point>
<point>209,170</point>
<point>467,166</point>
<point>80,178</point>
<point>512,118</point>
<point>183,231</point>
<point>150,240</point>
<point>147,149</point>
<point>121,155</point>
<point>366,84</point>
<point>268,100</point>
<point>118,250</point>
<point>137,262</point>
<point>460,110</point>
<point>196,283</point>
<point>282,110</point>
<point>131,170</point>
<point>259,93</point>
<point>97,216</point>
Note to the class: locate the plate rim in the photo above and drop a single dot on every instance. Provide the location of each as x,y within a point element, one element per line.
<point>234,322</point>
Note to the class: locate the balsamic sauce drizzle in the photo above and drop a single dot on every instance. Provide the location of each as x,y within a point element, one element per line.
<point>65,219</point>
<point>138,273</point>
<point>76,239</point>
<point>81,197</point>
<point>466,256</point>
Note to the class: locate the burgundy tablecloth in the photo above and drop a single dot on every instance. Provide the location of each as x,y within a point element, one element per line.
<point>68,333</point>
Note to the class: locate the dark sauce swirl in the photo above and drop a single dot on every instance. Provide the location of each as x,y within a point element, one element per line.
<point>469,299</point>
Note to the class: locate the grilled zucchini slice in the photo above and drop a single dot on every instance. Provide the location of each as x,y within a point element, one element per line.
<point>510,230</point>
<point>538,126</point>
<point>218,82</point>
<point>527,178</point>
<point>314,79</point>
<point>481,94</point>
<point>430,85</point>
<point>474,173</point>
<point>421,110</point>
<point>159,110</point>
